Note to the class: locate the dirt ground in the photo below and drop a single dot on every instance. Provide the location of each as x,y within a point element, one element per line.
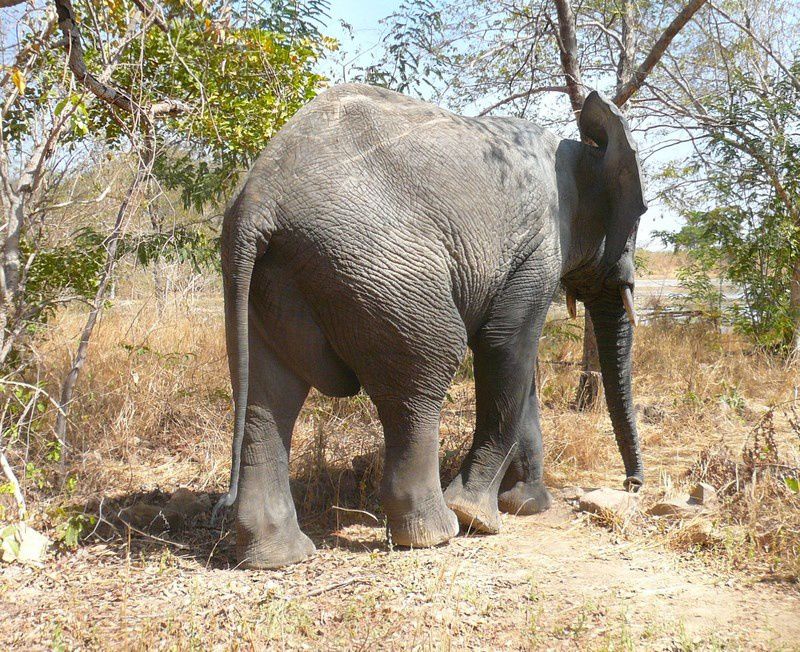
<point>554,581</point>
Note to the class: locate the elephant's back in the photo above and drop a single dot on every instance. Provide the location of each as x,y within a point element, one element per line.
<point>371,186</point>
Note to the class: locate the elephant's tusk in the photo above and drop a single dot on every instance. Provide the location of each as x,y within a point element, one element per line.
<point>627,299</point>
<point>572,309</point>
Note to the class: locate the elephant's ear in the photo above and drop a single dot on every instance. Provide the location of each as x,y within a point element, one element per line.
<point>620,171</point>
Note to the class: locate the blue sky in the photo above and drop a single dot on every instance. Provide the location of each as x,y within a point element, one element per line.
<point>363,16</point>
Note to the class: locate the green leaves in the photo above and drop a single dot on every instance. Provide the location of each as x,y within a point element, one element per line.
<point>69,269</point>
<point>73,527</point>
<point>182,244</point>
<point>743,217</point>
<point>243,80</point>
<point>78,114</point>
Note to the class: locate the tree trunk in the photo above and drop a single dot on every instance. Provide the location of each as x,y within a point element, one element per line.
<point>589,383</point>
<point>158,268</point>
<point>112,246</point>
<point>794,309</point>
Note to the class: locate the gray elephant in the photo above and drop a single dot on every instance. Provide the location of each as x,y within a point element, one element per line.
<point>374,240</point>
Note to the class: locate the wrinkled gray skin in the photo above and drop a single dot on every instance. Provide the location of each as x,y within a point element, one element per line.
<point>372,242</point>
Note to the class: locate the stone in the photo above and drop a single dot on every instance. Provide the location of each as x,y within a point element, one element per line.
<point>650,413</point>
<point>21,543</point>
<point>680,507</point>
<point>183,506</point>
<point>151,518</point>
<point>188,504</point>
<point>572,494</point>
<point>703,494</point>
<point>701,532</point>
<point>609,501</point>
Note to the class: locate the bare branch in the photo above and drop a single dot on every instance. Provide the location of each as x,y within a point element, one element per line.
<point>656,52</point>
<point>568,51</point>
<point>524,94</point>
<point>81,202</point>
<point>12,480</point>
<point>765,47</point>
<point>112,96</point>
<point>608,32</point>
<point>155,12</point>
<point>72,38</point>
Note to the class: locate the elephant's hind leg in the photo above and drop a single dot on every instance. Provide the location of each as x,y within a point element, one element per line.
<point>411,493</point>
<point>267,533</point>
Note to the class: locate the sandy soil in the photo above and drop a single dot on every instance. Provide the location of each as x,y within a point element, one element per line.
<point>554,581</point>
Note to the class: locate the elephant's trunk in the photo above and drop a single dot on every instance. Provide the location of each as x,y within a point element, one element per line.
<point>614,332</point>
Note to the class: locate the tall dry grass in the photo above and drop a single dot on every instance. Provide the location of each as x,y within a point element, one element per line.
<point>661,264</point>
<point>153,412</point>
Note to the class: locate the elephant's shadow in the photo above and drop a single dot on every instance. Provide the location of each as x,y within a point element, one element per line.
<point>337,504</point>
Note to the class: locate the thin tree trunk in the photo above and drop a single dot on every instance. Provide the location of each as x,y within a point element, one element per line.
<point>112,246</point>
<point>589,384</point>
<point>590,381</point>
<point>568,51</point>
<point>158,268</point>
<point>794,309</point>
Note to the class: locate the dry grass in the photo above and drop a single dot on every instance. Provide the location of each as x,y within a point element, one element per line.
<point>661,264</point>
<point>153,413</point>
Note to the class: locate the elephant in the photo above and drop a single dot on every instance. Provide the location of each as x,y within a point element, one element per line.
<point>375,239</point>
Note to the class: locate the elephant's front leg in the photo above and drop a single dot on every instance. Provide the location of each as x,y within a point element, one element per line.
<point>522,491</point>
<point>267,532</point>
<point>506,452</point>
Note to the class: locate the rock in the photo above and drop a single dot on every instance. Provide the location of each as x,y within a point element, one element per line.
<point>703,494</point>
<point>650,413</point>
<point>572,494</point>
<point>609,501</point>
<point>21,543</point>
<point>182,507</point>
<point>680,507</point>
<point>188,504</point>
<point>701,533</point>
<point>151,518</point>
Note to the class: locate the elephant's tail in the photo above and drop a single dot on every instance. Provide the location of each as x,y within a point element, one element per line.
<point>244,241</point>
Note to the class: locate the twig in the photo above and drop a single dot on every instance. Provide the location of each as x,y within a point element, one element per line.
<point>152,536</point>
<point>356,511</point>
<point>12,480</point>
<point>324,589</point>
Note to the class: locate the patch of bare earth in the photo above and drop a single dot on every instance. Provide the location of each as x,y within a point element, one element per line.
<point>550,581</point>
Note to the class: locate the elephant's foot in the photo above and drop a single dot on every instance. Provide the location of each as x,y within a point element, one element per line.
<point>525,498</point>
<point>429,524</point>
<point>273,548</point>
<point>476,511</point>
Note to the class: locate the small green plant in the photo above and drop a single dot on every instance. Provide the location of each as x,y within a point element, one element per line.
<point>732,397</point>
<point>35,475</point>
<point>73,526</point>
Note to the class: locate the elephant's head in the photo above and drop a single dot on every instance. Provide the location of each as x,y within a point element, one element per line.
<point>599,257</point>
